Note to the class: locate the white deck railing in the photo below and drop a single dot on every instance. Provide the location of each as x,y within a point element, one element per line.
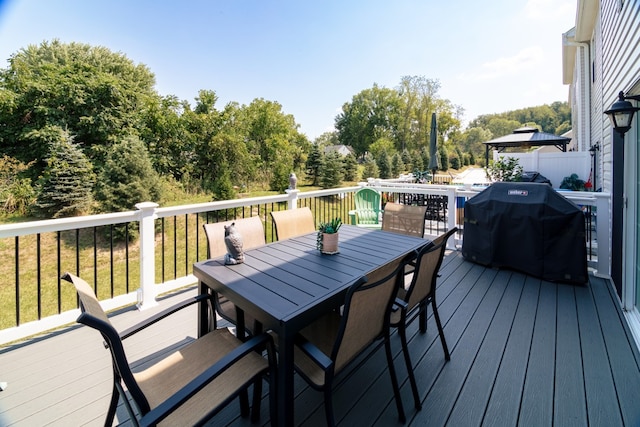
<point>148,212</point>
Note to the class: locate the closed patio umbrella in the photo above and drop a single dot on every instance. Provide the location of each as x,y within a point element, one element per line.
<point>434,160</point>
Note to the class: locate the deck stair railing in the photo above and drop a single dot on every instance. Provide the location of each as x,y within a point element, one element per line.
<point>132,257</point>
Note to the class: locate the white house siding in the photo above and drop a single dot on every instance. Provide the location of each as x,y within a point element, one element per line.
<point>612,29</point>
<point>597,115</point>
<point>619,36</point>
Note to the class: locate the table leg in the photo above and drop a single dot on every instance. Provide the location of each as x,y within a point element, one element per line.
<point>285,378</point>
<point>203,310</point>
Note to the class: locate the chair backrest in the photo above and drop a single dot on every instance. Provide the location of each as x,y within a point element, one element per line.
<point>368,203</point>
<point>425,274</point>
<point>94,316</point>
<point>404,219</point>
<point>251,230</point>
<point>293,222</point>
<point>366,312</point>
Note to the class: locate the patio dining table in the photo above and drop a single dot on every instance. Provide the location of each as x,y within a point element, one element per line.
<point>288,284</point>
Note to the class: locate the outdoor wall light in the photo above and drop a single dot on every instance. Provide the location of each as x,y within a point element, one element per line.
<point>621,113</point>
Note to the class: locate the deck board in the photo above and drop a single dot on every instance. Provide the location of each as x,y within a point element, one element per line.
<point>569,403</point>
<point>504,404</point>
<point>537,397</point>
<point>523,352</point>
<point>599,385</point>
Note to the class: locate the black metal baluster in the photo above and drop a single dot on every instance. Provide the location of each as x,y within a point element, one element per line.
<point>126,256</point>
<point>39,275</point>
<point>17,253</point>
<point>59,269</point>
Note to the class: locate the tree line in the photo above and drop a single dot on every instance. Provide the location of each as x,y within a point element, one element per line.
<point>83,130</point>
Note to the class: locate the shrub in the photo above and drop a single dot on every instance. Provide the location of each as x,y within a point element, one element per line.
<point>504,169</point>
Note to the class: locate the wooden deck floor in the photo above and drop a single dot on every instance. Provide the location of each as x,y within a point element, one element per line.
<point>523,352</point>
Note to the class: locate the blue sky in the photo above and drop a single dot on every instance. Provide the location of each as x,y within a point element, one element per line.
<point>313,56</point>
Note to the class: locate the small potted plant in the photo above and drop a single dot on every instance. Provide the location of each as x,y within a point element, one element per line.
<point>327,241</point>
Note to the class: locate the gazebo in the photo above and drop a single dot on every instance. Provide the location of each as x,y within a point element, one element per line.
<point>526,137</point>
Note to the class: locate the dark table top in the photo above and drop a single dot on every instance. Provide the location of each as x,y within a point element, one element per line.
<point>291,280</point>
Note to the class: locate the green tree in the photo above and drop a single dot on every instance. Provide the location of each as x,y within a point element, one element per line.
<point>273,139</point>
<point>96,95</point>
<point>397,166</point>
<point>444,159</point>
<point>417,162</point>
<point>326,139</point>
<point>381,145</point>
<point>314,164</point>
<point>384,165</point>
<point>454,162</point>
<point>66,185</point>
<point>407,161</point>
<point>127,177</point>
<point>472,140</point>
<point>419,95</point>
<point>372,114</point>
<point>350,168</point>
<point>222,187</point>
<point>426,158</point>
<point>280,177</point>
<point>370,168</point>
<point>170,141</point>
<point>331,172</point>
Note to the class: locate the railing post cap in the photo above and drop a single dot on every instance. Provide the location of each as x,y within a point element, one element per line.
<point>290,191</point>
<point>146,205</point>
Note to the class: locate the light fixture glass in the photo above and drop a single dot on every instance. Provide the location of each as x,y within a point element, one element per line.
<point>621,113</point>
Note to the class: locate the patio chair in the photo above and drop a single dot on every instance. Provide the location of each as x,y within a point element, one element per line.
<point>404,219</point>
<point>189,385</point>
<point>293,222</point>
<point>415,297</point>
<point>368,209</point>
<point>252,232</point>
<point>328,345</point>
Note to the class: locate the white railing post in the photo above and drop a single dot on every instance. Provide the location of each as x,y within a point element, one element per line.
<point>452,204</point>
<point>292,203</point>
<point>603,235</point>
<point>147,291</point>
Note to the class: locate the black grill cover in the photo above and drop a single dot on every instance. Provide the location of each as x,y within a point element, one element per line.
<point>529,227</point>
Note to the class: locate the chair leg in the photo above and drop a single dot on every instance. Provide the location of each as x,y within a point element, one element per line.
<point>328,406</point>
<point>447,356</point>
<point>257,399</point>
<point>394,380</point>
<point>113,405</point>
<point>244,403</point>
<point>422,319</point>
<point>407,360</point>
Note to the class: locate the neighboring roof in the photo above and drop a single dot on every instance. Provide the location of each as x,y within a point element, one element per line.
<point>528,136</point>
<point>340,149</point>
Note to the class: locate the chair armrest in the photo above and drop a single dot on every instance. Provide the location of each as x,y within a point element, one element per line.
<point>399,304</point>
<point>164,313</point>
<point>256,343</point>
<point>353,217</point>
<point>313,352</point>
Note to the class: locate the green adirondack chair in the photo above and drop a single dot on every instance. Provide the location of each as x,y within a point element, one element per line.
<point>368,209</point>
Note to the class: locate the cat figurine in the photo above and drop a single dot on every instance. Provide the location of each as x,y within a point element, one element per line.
<point>233,241</point>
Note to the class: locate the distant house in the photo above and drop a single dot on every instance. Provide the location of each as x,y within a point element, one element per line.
<point>341,149</point>
<point>600,59</point>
